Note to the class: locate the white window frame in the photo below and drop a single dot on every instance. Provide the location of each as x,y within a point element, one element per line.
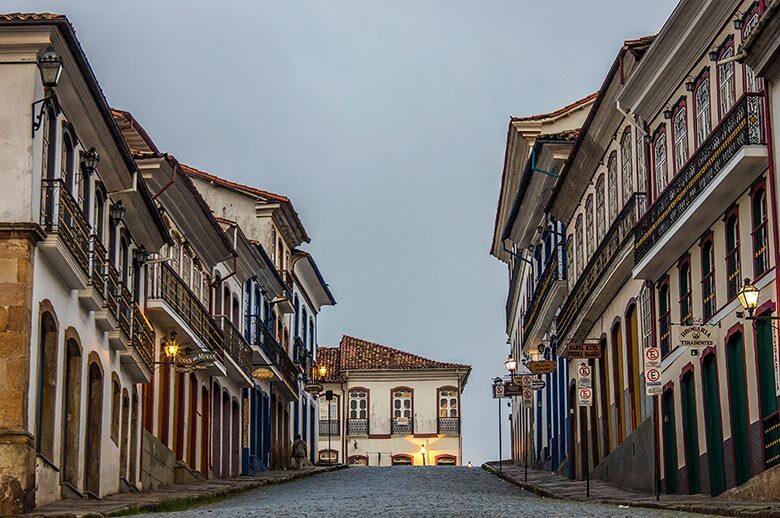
<point>703,115</point>
<point>680,127</point>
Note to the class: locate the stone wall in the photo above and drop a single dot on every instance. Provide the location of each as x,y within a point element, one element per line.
<point>631,465</point>
<point>157,463</point>
<point>17,451</point>
<point>764,486</point>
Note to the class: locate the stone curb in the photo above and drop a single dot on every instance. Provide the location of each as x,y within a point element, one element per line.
<point>195,499</point>
<point>717,507</point>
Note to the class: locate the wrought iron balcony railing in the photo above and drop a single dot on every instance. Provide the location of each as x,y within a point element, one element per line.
<point>742,126</point>
<point>166,285</point>
<point>61,215</point>
<point>402,426</point>
<point>236,347</point>
<point>264,338</point>
<point>125,311</point>
<point>329,428</point>
<point>621,230</point>
<point>357,427</point>
<point>113,291</point>
<point>449,425</point>
<point>553,272</point>
<point>98,258</point>
<point>143,337</point>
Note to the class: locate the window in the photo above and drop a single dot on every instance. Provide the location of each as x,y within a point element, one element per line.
<point>186,267</point>
<point>680,129</point>
<point>67,162</point>
<point>402,405</point>
<point>174,253</point>
<point>726,80</point>
<point>660,164</point>
<point>749,22</point>
<point>647,317</point>
<point>569,256</point>
<point>664,316</point>
<point>115,404</point>
<point>600,224</point>
<point>613,188</point>
<point>578,244</point>
<point>358,404</point>
<point>703,116</point>
<point>589,224</point>
<point>684,278</point>
<point>296,317</point>
<point>708,279</point>
<point>760,255</point>
<point>312,339</point>
<point>732,256</point>
<point>196,282</point>
<point>448,402</point>
<point>204,292</point>
<point>641,174</point>
<point>625,156</point>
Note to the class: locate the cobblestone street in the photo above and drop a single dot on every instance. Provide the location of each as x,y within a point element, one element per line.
<point>405,491</point>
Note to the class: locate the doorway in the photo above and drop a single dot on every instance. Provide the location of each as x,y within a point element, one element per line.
<point>94,431</point>
<point>739,411</point>
<point>670,441</point>
<point>712,424</point>
<point>690,432</point>
<point>71,418</point>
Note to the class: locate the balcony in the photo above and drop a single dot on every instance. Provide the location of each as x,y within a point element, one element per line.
<point>93,295</point>
<point>67,244</point>
<point>175,306</point>
<point>140,354</point>
<point>357,427</point>
<point>236,348</point>
<point>725,165</point>
<point>608,269</point>
<point>329,428</point>
<point>402,426</point>
<point>119,302</point>
<point>549,293</point>
<point>449,426</point>
<point>302,357</point>
<point>514,287</point>
<point>276,354</point>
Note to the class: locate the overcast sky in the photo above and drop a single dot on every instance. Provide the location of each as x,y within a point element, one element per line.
<point>384,121</point>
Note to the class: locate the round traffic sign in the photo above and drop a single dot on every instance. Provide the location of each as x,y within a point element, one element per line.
<point>584,371</point>
<point>585,394</point>
<point>653,375</point>
<point>653,353</point>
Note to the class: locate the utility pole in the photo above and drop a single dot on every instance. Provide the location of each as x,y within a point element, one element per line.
<point>500,454</point>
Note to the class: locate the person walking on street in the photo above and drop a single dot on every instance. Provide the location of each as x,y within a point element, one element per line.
<point>298,452</point>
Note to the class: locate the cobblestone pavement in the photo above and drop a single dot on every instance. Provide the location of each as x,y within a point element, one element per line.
<point>406,491</point>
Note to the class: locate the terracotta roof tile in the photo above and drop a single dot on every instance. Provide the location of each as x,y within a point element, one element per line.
<point>559,111</point>
<point>234,185</point>
<point>563,135</point>
<point>24,17</point>
<point>359,354</point>
<point>329,357</point>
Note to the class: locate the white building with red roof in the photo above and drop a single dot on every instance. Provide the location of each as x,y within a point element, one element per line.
<point>389,407</point>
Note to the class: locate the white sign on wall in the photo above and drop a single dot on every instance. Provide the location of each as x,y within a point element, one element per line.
<point>652,359</point>
<point>697,336</point>
<point>584,385</point>
<point>584,397</point>
<point>528,397</point>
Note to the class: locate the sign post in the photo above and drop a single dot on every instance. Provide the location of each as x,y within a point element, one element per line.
<point>585,399</point>
<point>653,388</point>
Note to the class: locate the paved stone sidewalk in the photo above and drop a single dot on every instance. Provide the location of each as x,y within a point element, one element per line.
<point>124,503</point>
<point>550,485</point>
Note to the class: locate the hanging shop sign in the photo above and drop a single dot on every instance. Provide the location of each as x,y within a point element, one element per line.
<point>697,336</point>
<point>541,366</point>
<point>262,374</point>
<point>583,350</point>
<point>538,385</point>
<point>313,388</point>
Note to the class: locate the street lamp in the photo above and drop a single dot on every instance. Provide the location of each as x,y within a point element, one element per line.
<point>90,160</point>
<point>117,211</point>
<point>423,452</point>
<point>748,297</point>
<point>511,365</point>
<point>322,371</point>
<point>50,67</point>
<point>171,347</point>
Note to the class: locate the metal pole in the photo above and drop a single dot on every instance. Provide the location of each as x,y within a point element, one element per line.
<point>330,432</point>
<point>525,440</point>
<point>500,462</point>
<point>585,461</point>
<point>656,459</point>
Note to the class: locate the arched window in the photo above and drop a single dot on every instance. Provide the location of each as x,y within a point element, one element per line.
<point>749,23</point>
<point>47,386</point>
<point>124,259</point>
<point>708,278</point>
<point>357,460</point>
<point>205,291</point>
<point>402,411</point>
<point>115,408</point>
<point>703,115</point>
<point>733,270</point>
<point>680,135</point>
<point>664,316</point>
<point>570,271</point>
<point>660,169</point>
<point>99,217</point>
<point>446,460</point>
<point>760,252</point>
<point>358,403</point>
<point>186,266</point>
<point>401,460</point>
<point>578,244</point>
<point>589,241</point>
<point>600,215</point>
<point>613,187</point>
<point>647,317</point>
<point>641,174</point>
<point>175,253</point>
<point>625,157</point>
<point>684,284</point>
<point>279,254</point>
<point>726,88</point>
<point>196,281</point>
<point>449,417</point>
<point>235,315</point>
<point>296,317</point>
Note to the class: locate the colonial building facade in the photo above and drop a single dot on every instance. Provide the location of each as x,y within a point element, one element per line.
<point>668,204</point>
<point>149,338</point>
<point>384,407</point>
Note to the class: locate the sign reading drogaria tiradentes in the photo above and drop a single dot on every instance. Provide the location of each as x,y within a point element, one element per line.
<point>696,335</point>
